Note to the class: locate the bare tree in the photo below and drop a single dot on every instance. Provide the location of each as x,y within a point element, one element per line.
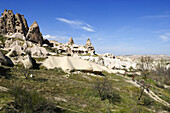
<point>106,91</point>
<point>145,64</point>
<point>102,86</point>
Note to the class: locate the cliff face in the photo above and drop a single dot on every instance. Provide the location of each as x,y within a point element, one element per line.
<point>34,34</point>
<point>10,23</point>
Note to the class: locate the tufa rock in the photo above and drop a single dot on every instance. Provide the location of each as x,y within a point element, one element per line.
<point>71,42</point>
<point>34,34</point>
<point>89,46</point>
<point>16,50</point>
<point>4,60</point>
<point>28,62</point>
<point>38,51</point>
<point>10,23</point>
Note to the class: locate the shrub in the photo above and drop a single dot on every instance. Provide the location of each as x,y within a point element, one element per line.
<point>4,51</point>
<point>148,102</point>
<point>29,102</point>
<point>106,91</point>
<point>165,108</point>
<point>112,97</point>
<point>2,39</point>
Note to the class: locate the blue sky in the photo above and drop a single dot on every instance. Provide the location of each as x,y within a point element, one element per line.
<point>121,27</point>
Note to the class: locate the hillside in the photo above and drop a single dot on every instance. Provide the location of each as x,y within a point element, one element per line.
<point>76,92</point>
<point>42,76</point>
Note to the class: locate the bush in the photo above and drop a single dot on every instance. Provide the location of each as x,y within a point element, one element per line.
<point>28,102</point>
<point>165,108</point>
<point>4,51</point>
<point>129,75</point>
<point>112,97</point>
<point>148,102</point>
<point>106,91</point>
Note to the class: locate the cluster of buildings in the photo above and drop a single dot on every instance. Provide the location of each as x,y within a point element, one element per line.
<point>71,48</point>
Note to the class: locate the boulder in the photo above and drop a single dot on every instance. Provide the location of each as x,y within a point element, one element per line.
<point>34,34</point>
<point>4,60</point>
<point>38,51</point>
<point>16,50</point>
<point>28,62</point>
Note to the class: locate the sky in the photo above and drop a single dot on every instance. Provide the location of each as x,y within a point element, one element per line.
<point>120,27</point>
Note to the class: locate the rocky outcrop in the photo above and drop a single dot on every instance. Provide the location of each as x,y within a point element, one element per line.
<point>10,23</point>
<point>69,64</point>
<point>16,26</point>
<point>29,62</point>
<point>71,42</point>
<point>4,60</point>
<point>37,51</point>
<point>16,50</point>
<point>89,46</point>
<point>34,34</point>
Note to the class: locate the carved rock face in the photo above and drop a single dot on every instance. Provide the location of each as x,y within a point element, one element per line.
<point>34,34</point>
<point>89,46</point>
<point>10,23</point>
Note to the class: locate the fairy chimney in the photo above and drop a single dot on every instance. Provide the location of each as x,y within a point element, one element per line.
<point>71,42</point>
<point>89,46</point>
<point>34,34</point>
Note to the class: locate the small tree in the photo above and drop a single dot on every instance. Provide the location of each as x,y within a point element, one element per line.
<point>145,64</point>
<point>106,91</point>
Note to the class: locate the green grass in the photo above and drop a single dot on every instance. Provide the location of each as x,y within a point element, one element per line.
<point>2,39</point>
<point>75,92</point>
<point>39,59</point>
<point>4,51</point>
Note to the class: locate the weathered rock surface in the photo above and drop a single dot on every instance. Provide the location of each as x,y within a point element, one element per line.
<point>15,26</point>
<point>38,51</point>
<point>10,23</point>
<point>4,60</point>
<point>71,63</point>
<point>89,46</point>
<point>16,50</point>
<point>34,34</point>
<point>28,62</point>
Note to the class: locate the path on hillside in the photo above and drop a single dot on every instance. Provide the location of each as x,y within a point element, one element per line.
<point>150,93</point>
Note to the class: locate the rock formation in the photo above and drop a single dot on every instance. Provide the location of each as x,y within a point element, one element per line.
<point>10,23</point>
<point>4,60</point>
<point>71,42</point>
<point>34,34</point>
<point>28,62</point>
<point>16,50</point>
<point>38,51</point>
<point>89,46</point>
<point>14,25</point>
